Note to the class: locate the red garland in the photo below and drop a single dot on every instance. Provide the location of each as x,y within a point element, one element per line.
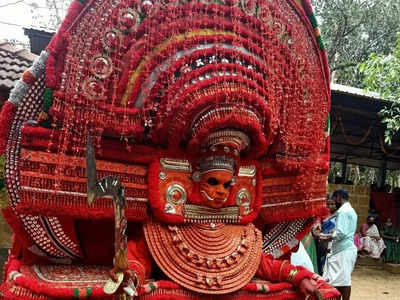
<point>28,77</point>
<point>6,118</point>
<point>185,44</point>
<point>21,238</point>
<point>41,287</point>
<point>257,83</point>
<point>323,55</point>
<point>307,7</point>
<point>294,211</point>
<point>157,201</point>
<point>158,20</point>
<point>176,129</point>
<point>112,120</point>
<point>256,204</point>
<point>58,42</point>
<point>325,65</point>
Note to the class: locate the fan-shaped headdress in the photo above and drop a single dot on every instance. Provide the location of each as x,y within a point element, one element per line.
<point>158,83</point>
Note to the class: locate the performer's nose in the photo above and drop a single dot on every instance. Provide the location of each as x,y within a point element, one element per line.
<point>221,190</point>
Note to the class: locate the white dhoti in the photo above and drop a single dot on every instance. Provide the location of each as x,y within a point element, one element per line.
<point>339,266</point>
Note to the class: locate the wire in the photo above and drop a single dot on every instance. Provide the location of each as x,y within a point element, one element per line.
<point>12,24</point>
<point>12,3</point>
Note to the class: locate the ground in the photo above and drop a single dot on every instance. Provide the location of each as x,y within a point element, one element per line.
<point>372,283</point>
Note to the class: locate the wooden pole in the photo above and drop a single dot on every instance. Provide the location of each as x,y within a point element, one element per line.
<point>382,173</point>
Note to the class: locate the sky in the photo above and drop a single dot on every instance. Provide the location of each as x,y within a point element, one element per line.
<point>17,14</point>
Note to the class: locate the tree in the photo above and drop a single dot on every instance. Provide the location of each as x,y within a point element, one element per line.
<point>353,29</point>
<point>382,75</point>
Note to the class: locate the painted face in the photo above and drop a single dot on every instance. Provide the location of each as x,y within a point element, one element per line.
<point>215,188</point>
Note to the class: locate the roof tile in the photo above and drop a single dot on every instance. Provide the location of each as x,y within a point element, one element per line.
<point>13,62</point>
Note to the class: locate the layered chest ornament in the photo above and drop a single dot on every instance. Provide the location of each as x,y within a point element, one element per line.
<point>208,254</point>
<point>210,258</point>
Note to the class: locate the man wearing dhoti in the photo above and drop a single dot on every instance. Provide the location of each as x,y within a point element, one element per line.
<point>340,262</point>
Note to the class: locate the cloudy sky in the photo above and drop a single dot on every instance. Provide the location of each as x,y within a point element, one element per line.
<point>16,14</point>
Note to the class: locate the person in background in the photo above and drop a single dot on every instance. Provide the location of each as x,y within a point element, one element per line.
<point>371,244</point>
<point>328,227</point>
<point>391,237</point>
<point>310,244</point>
<point>301,258</point>
<point>341,260</point>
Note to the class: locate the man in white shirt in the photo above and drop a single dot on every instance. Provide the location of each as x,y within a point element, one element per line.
<point>342,258</point>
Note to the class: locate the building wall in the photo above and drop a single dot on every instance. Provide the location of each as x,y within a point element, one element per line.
<point>359,197</point>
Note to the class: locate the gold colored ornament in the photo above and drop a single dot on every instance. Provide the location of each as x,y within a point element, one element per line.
<point>247,171</point>
<point>292,274</point>
<point>175,164</point>
<point>201,213</point>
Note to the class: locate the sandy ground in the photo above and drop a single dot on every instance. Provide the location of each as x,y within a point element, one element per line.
<point>371,283</point>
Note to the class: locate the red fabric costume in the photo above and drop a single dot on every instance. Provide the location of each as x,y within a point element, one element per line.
<point>210,152</point>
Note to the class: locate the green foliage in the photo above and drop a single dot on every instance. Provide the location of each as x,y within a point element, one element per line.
<point>357,175</point>
<point>382,75</point>
<point>353,29</point>
<point>335,171</point>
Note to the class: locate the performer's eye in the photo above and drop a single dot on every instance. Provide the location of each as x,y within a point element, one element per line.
<point>228,184</point>
<point>212,181</point>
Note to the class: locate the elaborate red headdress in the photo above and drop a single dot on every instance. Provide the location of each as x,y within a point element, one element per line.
<point>159,83</point>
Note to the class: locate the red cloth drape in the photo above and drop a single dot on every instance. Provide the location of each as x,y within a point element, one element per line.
<point>385,206</point>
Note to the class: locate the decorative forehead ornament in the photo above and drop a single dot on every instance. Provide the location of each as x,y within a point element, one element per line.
<point>230,140</point>
<point>216,172</point>
<point>222,149</point>
<point>216,163</point>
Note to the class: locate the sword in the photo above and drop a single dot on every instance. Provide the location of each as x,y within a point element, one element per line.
<point>111,186</point>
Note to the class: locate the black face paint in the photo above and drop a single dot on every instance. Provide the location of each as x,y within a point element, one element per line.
<point>212,181</point>
<point>228,184</point>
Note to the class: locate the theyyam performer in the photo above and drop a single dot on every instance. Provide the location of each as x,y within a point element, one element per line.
<point>197,130</point>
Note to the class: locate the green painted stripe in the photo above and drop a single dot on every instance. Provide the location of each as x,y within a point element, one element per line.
<point>321,43</point>
<point>328,123</point>
<point>313,20</point>
<point>88,291</point>
<point>76,293</point>
<point>152,286</point>
<point>47,99</point>
<point>263,289</point>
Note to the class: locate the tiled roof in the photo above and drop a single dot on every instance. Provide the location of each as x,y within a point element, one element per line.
<point>13,62</point>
